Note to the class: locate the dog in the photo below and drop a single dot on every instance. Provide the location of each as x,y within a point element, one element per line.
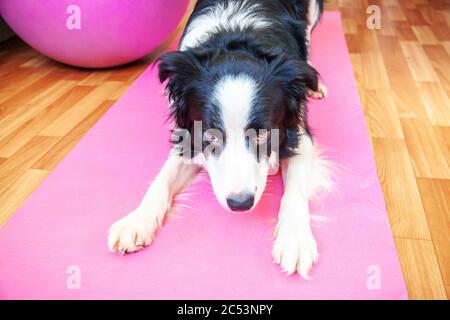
<point>241,65</point>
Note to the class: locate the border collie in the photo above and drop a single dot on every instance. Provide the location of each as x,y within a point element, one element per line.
<point>239,84</point>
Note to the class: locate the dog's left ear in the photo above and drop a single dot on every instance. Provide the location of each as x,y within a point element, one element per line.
<point>295,76</point>
<point>177,65</point>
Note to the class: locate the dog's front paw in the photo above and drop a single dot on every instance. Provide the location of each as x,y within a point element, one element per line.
<point>295,249</point>
<point>133,232</point>
<point>321,92</point>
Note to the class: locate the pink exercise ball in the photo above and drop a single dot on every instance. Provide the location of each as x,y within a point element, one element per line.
<point>93,33</point>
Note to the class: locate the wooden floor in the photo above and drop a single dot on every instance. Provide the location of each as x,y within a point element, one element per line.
<point>403,75</point>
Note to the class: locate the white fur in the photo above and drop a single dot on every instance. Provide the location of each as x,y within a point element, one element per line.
<point>136,230</point>
<point>236,95</point>
<point>295,248</point>
<point>233,16</point>
<point>313,13</point>
<point>236,170</point>
<point>313,17</point>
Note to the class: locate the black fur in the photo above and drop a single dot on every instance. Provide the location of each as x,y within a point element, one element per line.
<point>276,59</point>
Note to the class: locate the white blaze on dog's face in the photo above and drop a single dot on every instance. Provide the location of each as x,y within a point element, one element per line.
<point>238,175</point>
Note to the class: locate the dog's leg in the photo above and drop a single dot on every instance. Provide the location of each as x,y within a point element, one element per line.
<point>136,230</point>
<point>313,19</point>
<point>295,248</point>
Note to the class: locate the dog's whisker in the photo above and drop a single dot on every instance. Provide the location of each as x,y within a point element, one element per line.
<point>187,194</point>
<point>184,206</point>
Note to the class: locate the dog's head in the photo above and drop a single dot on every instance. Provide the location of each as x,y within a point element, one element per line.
<point>241,113</point>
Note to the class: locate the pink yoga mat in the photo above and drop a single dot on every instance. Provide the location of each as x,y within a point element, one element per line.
<point>57,239</point>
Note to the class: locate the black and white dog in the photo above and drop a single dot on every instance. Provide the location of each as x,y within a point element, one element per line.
<point>242,66</point>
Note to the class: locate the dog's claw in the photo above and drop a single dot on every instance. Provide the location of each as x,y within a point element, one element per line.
<point>131,233</point>
<point>321,92</point>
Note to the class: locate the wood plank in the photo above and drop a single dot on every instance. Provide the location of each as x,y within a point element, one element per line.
<point>420,269</point>
<point>391,3</point>
<point>382,114</point>
<point>357,66</point>
<point>444,12</point>
<point>407,4</point>
<point>446,45</point>
<point>69,141</point>
<point>437,103</point>
<point>374,72</point>
<point>35,91</point>
<point>388,28</point>
<point>402,197</point>
<point>406,94</point>
<point>32,127</point>
<point>353,43</point>
<point>97,77</point>
<point>442,135</point>
<point>440,29</point>
<point>439,59</point>
<point>425,35</point>
<point>349,26</point>
<point>426,155</point>
<point>394,60</point>
<point>19,78</point>
<point>409,101</point>
<point>10,62</point>
<point>403,31</point>
<point>75,74</point>
<point>35,62</point>
<point>15,166</point>
<point>78,112</point>
<point>420,66</point>
<point>395,14</point>
<point>435,196</point>
<point>18,192</point>
<point>414,17</point>
<point>18,115</point>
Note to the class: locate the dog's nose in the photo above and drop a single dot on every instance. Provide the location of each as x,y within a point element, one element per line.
<point>241,201</point>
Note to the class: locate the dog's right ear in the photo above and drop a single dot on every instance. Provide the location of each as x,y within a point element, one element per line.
<point>180,69</point>
<point>177,65</point>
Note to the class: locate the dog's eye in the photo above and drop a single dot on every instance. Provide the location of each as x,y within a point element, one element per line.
<point>259,139</point>
<point>213,137</point>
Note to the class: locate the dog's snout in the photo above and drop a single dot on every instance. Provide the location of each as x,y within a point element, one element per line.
<point>241,201</point>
